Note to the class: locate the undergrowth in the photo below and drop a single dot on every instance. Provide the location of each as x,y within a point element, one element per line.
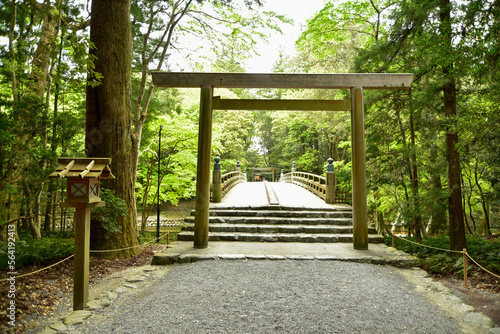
<point>50,248</point>
<point>53,247</point>
<point>485,251</point>
<point>150,237</point>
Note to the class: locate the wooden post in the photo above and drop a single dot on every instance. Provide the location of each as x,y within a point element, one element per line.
<point>203,169</point>
<point>82,256</point>
<point>216,182</point>
<point>330,182</point>
<point>294,169</point>
<point>359,214</point>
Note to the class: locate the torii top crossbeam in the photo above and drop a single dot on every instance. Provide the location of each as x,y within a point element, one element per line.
<point>287,80</point>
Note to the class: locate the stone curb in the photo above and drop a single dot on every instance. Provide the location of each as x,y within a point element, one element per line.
<point>398,259</point>
<point>66,324</point>
<point>470,320</point>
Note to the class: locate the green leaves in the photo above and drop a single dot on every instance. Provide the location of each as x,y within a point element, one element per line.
<point>39,251</point>
<point>107,216</point>
<point>177,159</point>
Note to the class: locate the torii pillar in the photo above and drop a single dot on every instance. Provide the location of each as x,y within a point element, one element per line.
<point>201,213</point>
<point>359,203</point>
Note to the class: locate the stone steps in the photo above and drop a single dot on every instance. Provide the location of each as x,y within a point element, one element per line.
<point>250,228</point>
<point>278,224</point>
<point>283,214</point>
<point>275,221</point>
<point>278,237</point>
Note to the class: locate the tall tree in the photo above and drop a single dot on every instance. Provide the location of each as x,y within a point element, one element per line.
<point>158,24</point>
<point>109,124</point>
<point>455,209</point>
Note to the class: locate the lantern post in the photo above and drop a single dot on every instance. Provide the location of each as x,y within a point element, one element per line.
<point>83,177</point>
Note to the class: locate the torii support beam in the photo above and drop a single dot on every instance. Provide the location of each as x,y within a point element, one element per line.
<point>356,82</point>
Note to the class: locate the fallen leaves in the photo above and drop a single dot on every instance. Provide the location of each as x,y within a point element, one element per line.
<point>41,293</point>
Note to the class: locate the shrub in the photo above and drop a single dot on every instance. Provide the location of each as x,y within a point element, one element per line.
<point>106,215</point>
<point>485,252</point>
<point>39,251</point>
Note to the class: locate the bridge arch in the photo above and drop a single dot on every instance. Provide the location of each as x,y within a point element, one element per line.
<point>355,82</point>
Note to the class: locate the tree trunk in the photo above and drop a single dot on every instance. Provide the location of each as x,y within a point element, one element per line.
<point>41,59</point>
<point>33,106</point>
<point>108,127</point>
<point>484,228</point>
<point>455,210</point>
<point>414,178</point>
<point>33,217</point>
<point>141,103</point>
<point>438,210</point>
<point>411,168</point>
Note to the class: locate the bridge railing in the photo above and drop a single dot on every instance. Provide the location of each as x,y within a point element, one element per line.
<point>229,180</point>
<point>312,182</point>
<point>221,184</point>
<point>321,186</point>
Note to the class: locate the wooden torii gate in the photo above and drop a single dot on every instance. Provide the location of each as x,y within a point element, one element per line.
<point>268,170</point>
<point>355,82</point>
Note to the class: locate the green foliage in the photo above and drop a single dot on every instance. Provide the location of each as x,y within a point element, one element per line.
<point>39,251</point>
<point>178,159</point>
<point>484,251</point>
<point>107,215</point>
<point>405,129</point>
<point>150,237</point>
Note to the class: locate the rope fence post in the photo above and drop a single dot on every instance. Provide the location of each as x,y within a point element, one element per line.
<point>393,240</point>
<point>465,268</point>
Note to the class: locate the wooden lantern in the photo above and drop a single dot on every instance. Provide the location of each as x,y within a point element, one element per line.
<point>83,177</point>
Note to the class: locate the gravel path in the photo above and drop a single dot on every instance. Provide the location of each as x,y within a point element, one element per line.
<point>273,297</point>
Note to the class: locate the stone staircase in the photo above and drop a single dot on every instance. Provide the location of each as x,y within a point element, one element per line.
<point>278,224</point>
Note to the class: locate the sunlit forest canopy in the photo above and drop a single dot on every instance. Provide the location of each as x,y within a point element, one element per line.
<point>432,151</point>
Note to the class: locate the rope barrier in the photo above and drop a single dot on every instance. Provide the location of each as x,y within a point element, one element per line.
<point>92,251</point>
<point>452,251</point>
<point>37,271</point>
<point>480,266</point>
<point>120,249</point>
<point>442,249</point>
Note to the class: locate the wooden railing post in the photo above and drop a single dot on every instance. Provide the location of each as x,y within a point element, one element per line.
<point>216,182</point>
<point>330,182</point>
<point>294,169</point>
<point>238,166</point>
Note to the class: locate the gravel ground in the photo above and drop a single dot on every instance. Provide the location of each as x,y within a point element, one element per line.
<point>273,297</point>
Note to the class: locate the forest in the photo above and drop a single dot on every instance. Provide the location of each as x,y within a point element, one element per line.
<point>433,158</point>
